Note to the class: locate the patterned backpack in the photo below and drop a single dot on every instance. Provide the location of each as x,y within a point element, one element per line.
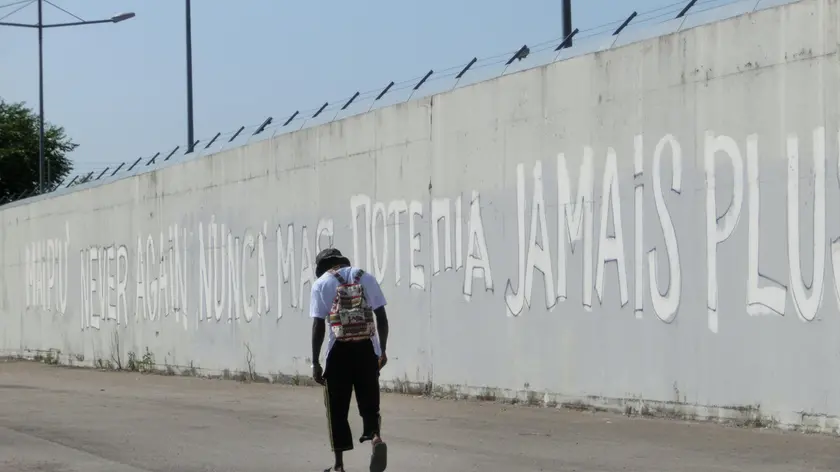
<point>351,318</point>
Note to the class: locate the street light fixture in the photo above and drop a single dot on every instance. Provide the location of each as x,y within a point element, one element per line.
<point>40,26</point>
<point>122,17</point>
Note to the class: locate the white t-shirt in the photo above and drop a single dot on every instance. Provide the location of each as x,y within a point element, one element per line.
<point>323,295</point>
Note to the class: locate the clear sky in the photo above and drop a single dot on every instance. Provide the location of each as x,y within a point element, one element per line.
<point>120,89</point>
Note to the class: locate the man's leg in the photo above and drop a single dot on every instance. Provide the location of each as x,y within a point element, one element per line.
<point>366,384</point>
<point>338,389</point>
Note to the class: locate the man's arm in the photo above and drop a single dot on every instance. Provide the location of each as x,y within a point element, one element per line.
<point>382,327</point>
<point>377,301</point>
<point>318,313</point>
<point>318,331</point>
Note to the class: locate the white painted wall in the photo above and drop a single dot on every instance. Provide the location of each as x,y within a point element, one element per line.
<point>649,223</point>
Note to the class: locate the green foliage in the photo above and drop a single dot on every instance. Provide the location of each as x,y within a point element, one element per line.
<point>19,152</point>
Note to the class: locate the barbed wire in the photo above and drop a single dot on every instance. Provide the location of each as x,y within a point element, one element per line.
<point>94,170</point>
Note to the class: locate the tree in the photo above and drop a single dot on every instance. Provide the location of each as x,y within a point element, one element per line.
<point>19,152</point>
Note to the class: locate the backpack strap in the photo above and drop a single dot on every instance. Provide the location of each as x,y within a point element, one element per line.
<point>358,277</point>
<point>338,277</point>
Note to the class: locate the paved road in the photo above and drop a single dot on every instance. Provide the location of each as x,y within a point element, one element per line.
<point>65,420</point>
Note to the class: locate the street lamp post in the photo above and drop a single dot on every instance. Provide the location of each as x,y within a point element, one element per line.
<point>190,131</point>
<point>41,98</point>
<point>567,21</point>
<point>40,26</point>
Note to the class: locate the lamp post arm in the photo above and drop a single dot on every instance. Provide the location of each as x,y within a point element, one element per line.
<point>58,25</point>
<point>78,23</point>
<point>116,19</point>
<point>18,25</point>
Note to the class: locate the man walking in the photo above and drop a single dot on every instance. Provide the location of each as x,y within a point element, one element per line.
<point>352,303</point>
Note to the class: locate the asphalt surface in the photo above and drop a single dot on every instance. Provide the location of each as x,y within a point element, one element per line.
<point>61,420</point>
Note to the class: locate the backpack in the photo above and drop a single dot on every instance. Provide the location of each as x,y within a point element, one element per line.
<point>351,318</point>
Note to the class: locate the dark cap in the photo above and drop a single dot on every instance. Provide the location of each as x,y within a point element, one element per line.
<point>327,259</point>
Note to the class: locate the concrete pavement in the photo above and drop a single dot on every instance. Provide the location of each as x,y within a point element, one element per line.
<point>63,420</point>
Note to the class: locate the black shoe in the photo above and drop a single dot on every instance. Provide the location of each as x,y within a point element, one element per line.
<point>379,457</point>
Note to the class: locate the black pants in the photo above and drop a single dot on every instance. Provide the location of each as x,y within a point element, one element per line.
<point>351,366</point>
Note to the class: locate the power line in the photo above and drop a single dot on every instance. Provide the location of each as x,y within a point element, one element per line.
<point>15,3</point>
<point>65,11</point>
<point>29,2</point>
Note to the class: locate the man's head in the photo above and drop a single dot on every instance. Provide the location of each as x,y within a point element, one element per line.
<point>327,259</point>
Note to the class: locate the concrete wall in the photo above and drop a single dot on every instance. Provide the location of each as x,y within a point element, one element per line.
<point>647,227</point>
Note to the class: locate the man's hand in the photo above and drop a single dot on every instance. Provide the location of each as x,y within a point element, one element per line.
<point>318,373</point>
<point>383,359</point>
